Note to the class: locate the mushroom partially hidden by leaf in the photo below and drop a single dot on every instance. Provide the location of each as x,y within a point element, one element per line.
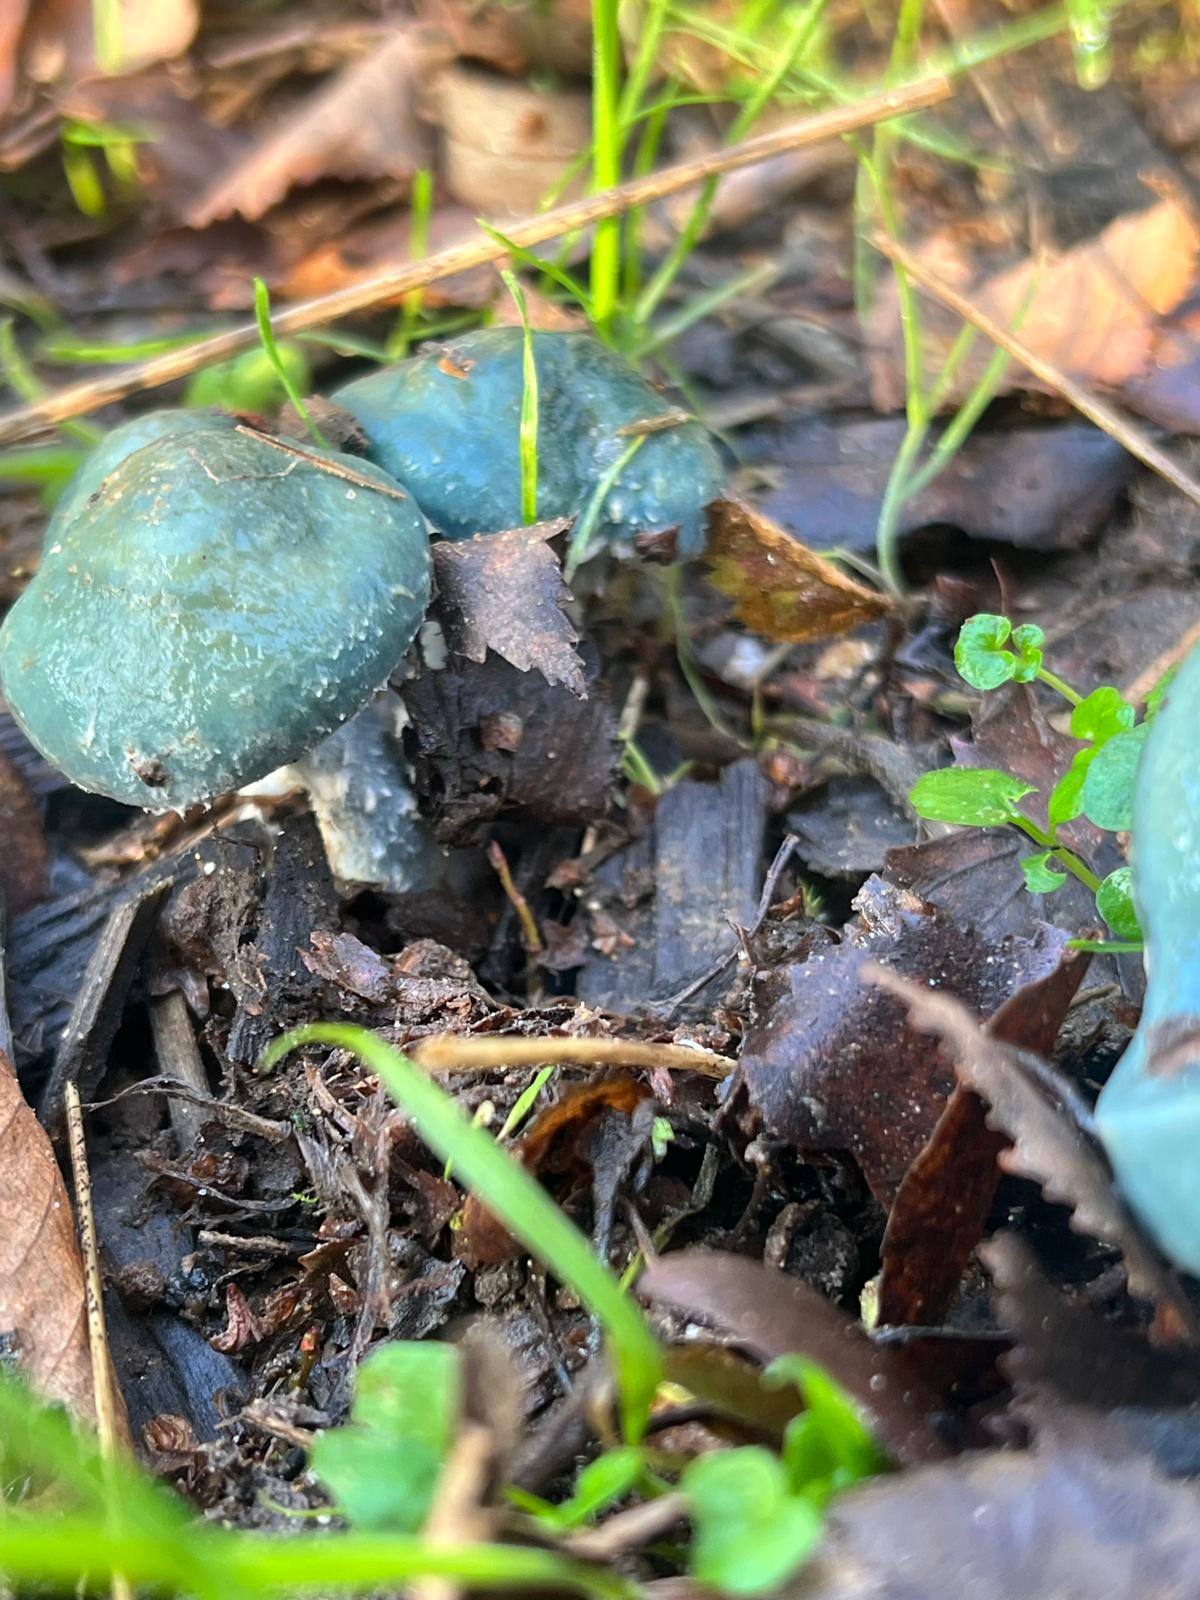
<point>447,424</point>
<point>218,604</point>
<point>1148,1114</point>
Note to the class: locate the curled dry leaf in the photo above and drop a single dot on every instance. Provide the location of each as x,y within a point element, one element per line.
<point>1048,1144</point>
<point>941,1207</point>
<point>41,1274</point>
<point>554,1146</point>
<point>361,125</point>
<point>778,586</point>
<point>563,768</point>
<point>505,592</point>
<point>771,1314</point>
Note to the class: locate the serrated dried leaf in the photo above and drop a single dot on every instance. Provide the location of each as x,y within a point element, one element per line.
<point>1048,1146</point>
<point>942,1204</point>
<point>505,592</point>
<point>779,587</point>
<point>1066,1345</point>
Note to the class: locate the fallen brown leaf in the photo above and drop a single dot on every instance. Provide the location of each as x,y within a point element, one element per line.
<point>1065,1344</point>
<point>1095,311</point>
<point>41,1273</point>
<point>780,588</point>
<point>361,125</point>
<point>830,1064</point>
<point>771,1314</point>
<point>59,43</point>
<point>505,592</point>
<point>12,20</point>
<point>942,1204</point>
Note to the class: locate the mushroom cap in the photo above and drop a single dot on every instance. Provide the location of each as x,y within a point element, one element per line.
<point>447,424</point>
<point>218,607</point>
<point>122,441</point>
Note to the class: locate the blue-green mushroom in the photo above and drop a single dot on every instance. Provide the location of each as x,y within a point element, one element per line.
<point>446,424</point>
<point>212,609</point>
<point>122,441</point>
<point>1148,1114</point>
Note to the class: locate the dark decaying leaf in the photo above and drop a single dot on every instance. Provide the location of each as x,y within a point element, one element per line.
<point>974,876</point>
<point>770,1314</point>
<point>1048,1145</point>
<point>849,827</point>
<point>940,1209</point>
<point>505,592</point>
<point>828,1064</point>
<point>1068,1524</point>
<point>780,588</point>
<point>1041,488</point>
<point>564,767</point>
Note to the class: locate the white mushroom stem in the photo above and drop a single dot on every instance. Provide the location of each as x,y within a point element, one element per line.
<point>358,785</point>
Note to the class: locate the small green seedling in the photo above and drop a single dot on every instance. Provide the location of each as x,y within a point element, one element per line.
<point>1098,784</point>
<point>758,1516</point>
<point>383,1467</point>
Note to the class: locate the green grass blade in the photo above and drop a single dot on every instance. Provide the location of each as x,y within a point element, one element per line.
<point>516,1198</point>
<point>266,334</point>
<point>608,147</point>
<point>580,546</point>
<point>529,405</point>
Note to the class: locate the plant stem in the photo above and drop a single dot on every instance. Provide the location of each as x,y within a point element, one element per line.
<point>1055,682</point>
<point>1065,858</point>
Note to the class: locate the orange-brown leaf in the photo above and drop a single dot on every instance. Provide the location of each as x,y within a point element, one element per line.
<point>778,586</point>
<point>41,1273</point>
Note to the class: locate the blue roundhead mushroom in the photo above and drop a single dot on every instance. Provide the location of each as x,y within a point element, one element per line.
<point>212,609</point>
<point>122,441</point>
<point>446,424</point>
<point>1148,1114</point>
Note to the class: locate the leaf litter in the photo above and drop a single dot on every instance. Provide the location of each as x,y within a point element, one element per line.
<point>881,1160</point>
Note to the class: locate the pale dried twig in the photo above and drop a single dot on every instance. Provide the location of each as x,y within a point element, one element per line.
<point>77,398</point>
<point>1126,432</point>
<point>451,1052</point>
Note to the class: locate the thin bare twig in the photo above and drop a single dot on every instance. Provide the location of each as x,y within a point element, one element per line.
<point>1126,432</point>
<point>111,1424</point>
<point>77,398</point>
<point>452,1052</point>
